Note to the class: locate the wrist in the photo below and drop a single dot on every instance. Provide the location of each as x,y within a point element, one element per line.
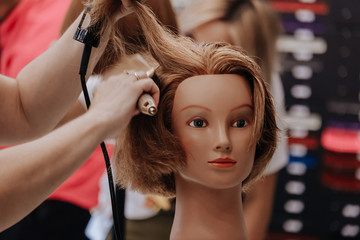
<point>102,127</point>
<point>96,126</point>
<point>91,85</point>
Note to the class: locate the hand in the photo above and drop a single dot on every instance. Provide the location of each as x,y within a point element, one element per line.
<point>126,8</point>
<point>115,101</point>
<point>112,10</point>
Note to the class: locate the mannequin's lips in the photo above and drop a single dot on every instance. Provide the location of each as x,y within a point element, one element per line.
<point>223,163</point>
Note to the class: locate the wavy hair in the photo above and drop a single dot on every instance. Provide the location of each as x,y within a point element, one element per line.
<point>149,153</point>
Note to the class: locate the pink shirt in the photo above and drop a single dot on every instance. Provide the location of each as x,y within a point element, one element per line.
<point>28,31</point>
<point>82,187</point>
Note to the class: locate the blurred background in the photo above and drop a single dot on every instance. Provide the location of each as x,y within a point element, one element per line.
<point>318,192</point>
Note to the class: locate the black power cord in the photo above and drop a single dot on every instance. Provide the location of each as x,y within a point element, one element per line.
<point>90,37</point>
<point>83,68</point>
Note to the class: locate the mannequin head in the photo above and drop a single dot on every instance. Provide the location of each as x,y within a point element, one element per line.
<point>151,152</point>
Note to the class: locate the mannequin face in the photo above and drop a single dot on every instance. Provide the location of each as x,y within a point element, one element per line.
<point>213,118</point>
<point>214,31</point>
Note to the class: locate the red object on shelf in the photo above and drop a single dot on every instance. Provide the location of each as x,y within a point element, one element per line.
<point>311,142</point>
<point>341,140</point>
<point>340,181</point>
<point>320,8</point>
<point>341,161</point>
<point>289,236</point>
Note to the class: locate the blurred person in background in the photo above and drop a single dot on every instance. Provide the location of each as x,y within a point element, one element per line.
<point>27,29</point>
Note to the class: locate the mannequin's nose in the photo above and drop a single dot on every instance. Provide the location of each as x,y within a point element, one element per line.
<point>223,147</point>
<point>222,142</point>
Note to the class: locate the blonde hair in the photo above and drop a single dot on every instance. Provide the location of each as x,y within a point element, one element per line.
<point>148,154</point>
<point>253,25</point>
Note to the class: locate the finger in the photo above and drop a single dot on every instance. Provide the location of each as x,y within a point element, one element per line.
<point>130,2</point>
<point>127,3</point>
<point>140,75</point>
<point>127,7</point>
<point>136,112</point>
<point>149,86</point>
<point>127,74</point>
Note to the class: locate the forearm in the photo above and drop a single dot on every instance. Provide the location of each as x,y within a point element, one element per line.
<point>75,8</point>
<point>29,173</point>
<point>50,84</point>
<point>76,110</point>
<point>258,204</point>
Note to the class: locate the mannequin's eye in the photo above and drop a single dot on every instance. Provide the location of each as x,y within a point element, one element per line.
<point>240,123</point>
<point>198,123</point>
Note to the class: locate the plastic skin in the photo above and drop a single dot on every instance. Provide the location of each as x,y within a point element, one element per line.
<point>212,115</point>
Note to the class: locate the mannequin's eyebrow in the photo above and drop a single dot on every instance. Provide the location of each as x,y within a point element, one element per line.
<point>195,106</point>
<point>243,106</point>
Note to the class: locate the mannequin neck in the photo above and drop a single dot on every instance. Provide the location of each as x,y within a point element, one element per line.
<point>206,213</point>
